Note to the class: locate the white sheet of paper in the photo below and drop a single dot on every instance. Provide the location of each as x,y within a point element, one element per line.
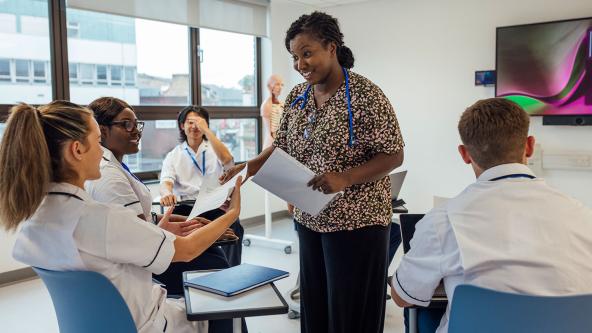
<point>212,195</point>
<point>285,177</point>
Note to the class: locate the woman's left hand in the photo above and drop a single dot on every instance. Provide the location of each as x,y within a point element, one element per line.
<point>329,182</point>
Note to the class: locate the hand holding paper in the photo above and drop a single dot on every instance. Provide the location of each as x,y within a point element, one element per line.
<point>213,195</point>
<point>288,179</point>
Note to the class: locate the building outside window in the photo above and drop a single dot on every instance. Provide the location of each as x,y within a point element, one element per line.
<point>24,53</point>
<point>146,63</point>
<point>5,70</point>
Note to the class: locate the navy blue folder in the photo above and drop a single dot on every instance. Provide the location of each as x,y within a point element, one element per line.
<point>237,279</point>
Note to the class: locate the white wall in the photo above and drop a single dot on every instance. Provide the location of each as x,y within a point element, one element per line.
<point>423,54</point>
<point>282,15</point>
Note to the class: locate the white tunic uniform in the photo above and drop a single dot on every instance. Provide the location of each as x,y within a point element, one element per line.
<point>70,231</point>
<point>118,186</point>
<point>180,168</point>
<point>514,234</point>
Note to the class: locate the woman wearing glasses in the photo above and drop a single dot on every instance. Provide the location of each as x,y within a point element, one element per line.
<point>120,135</point>
<point>197,161</point>
<point>341,126</point>
<point>60,227</point>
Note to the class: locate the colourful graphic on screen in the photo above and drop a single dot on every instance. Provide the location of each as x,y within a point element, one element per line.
<point>547,67</point>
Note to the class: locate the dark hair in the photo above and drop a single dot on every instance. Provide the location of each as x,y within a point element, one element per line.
<point>494,131</point>
<point>182,116</point>
<point>325,28</point>
<point>106,109</point>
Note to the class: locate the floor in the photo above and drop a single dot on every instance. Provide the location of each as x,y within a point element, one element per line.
<point>27,307</point>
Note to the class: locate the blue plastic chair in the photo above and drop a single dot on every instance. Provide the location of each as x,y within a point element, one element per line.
<point>86,302</point>
<point>476,309</point>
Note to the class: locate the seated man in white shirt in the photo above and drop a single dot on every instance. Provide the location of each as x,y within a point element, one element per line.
<point>508,231</point>
<point>197,162</point>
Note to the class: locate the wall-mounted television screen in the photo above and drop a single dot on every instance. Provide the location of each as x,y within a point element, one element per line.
<point>546,67</point>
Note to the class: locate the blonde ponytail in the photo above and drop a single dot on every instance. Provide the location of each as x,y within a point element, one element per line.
<point>31,155</point>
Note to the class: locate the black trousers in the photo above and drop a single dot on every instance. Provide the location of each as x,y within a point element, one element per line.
<point>212,258</point>
<point>342,280</point>
<point>233,252</point>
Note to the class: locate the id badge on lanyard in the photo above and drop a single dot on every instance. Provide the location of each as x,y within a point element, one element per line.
<point>203,161</point>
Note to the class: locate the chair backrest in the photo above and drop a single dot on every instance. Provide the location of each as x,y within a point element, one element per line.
<point>476,309</point>
<point>86,302</point>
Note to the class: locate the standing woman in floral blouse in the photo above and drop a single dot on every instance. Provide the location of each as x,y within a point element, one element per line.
<point>341,126</point>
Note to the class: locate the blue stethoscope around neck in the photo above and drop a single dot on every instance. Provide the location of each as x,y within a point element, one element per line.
<point>304,99</point>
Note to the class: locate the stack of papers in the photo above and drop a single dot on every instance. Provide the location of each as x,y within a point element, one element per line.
<point>286,178</point>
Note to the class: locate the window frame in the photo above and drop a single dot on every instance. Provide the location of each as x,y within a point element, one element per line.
<point>60,78</point>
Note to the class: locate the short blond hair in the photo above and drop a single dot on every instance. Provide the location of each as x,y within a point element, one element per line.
<point>494,131</point>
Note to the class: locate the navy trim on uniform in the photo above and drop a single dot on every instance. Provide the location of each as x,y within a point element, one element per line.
<point>166,323</point>
<point>66,194</point>
<point>131,203</point>
<point>399,283</point>
<point>106,159</point>
<point>158,251</point>
<point>516,175</point>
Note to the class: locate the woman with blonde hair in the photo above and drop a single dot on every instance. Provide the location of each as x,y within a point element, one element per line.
<point>47,154</point>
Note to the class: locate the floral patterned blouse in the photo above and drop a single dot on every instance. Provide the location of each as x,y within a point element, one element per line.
<point>324,148</point>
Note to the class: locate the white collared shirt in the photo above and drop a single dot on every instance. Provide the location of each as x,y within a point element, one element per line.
<point>118,186</point>
<point>179,168</point>
<point>515,234</point>
<point>71,231</point>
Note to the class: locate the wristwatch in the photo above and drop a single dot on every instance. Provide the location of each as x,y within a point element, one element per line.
<point>154,218</point>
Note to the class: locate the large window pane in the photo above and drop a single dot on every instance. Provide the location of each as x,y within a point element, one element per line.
<point>161,136</point>
<point>227,68</point>
<point>140,61</point>
<point>239,135</point>
<point>24,51</point>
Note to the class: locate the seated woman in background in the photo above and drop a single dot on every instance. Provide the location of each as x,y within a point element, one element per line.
<point>120,135</point>
<point>63,228</point>
<point>200,157</point>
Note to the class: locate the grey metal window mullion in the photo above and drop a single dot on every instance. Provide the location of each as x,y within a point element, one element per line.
<point>58,41</point>
<point>259,101</point>
<point>194,68</point>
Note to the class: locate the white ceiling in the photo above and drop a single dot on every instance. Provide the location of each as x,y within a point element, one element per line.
<point>327,3</point>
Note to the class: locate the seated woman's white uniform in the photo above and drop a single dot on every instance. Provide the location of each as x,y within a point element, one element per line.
<point>111,240</point>
<point>120,187</point>
<point>63,228</point>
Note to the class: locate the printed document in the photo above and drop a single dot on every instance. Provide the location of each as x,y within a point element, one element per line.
<point>285,177</point>
<point>212,195</point>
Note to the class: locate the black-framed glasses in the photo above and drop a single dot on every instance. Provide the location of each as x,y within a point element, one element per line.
<point>129,125</point>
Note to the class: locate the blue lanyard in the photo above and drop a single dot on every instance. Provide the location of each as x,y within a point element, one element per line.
<point>304,99</point>
<point>515,175</point>
<point>131,173</point>
<point>203,161</point>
